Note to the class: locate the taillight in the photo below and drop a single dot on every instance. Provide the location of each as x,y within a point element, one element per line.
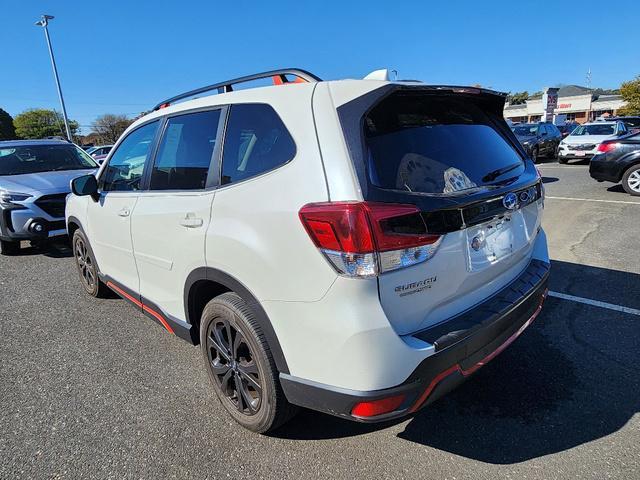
<point>607,147</point>
<point>377,407</point>
<point>364,239</point>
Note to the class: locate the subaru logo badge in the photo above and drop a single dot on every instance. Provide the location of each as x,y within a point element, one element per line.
<point>510,201</point>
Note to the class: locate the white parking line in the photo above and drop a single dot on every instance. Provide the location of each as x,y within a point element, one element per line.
<point>595,303</point>
<point>591,200</point>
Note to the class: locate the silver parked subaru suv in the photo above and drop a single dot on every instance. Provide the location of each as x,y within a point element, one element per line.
<point>34,184</point>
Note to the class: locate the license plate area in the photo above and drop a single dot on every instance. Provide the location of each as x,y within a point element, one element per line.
<point>493,241</point>
<point>580,153</point>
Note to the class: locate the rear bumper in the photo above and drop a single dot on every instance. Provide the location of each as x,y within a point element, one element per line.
<point>568,153</point>
<point>605,170</point>
<point>463,344</point>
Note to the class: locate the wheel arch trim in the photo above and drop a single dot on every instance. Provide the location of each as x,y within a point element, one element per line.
<point>218,276</point>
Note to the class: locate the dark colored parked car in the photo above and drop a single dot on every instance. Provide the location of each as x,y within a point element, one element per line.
<point>618,161</point>
<point>539,139</point>
<point>632,123</point>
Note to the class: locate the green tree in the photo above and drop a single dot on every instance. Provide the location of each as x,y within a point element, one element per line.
<point>7,130</point>
<point>630,92</point>
<point>109,127</point>
<point>517,98</point>
<point>41,123</point>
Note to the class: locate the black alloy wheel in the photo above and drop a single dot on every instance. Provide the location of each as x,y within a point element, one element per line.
<point>534,154</point>
<point>234,366</point>
<point>241,366</point>
<point>87,268</point>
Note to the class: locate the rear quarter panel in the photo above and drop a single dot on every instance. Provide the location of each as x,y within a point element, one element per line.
<point>255,233</point>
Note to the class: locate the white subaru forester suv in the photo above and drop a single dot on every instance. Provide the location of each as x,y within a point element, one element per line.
<point>357,247</point>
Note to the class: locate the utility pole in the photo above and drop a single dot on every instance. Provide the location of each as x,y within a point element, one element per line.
<point>43,23</point>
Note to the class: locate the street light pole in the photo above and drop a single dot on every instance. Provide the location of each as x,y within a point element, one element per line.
<point>43,23</point>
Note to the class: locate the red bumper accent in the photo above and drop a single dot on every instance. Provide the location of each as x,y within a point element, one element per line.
<point>457,368</point>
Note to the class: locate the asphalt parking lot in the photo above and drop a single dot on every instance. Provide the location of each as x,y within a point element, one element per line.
<point>94,389</point>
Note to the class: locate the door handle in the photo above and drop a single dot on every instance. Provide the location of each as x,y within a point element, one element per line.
<point>191,221</point>
<point>125,212</point>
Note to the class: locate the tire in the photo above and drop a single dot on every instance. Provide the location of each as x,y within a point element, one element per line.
<point>8,247</point>
<point>87,267</point>
<point>242,371</point>
<point>562,160</point>
<point>534,154</point>
<point>631,180</point>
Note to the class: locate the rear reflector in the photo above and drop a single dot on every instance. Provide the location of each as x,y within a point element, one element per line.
<point>377,407</point>
<point>366,238</point>
<point>607,147</point>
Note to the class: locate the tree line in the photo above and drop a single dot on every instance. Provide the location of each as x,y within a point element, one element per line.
<point>42,123</point>
<point>630,92</point>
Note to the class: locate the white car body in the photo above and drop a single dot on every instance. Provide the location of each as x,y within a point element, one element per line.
<point>585,146</point>
<point>342,336</point>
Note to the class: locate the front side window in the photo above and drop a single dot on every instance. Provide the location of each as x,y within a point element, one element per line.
<point>256,141</point>
<point>125,168</point>
<point>25,159</point>
<point>525,130</point>
<point>185,152</point>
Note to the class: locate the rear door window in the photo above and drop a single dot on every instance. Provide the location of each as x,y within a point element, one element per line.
<point>186,151</point>
<point>436,144</point>
<point>256,141</point>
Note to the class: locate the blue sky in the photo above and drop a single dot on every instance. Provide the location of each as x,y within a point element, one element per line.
<point>125,56</point>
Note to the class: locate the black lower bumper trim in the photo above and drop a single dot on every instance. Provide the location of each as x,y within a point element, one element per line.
<point>482,333</point>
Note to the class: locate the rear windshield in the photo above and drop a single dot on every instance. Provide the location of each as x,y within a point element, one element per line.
<point>603,129</point>
<point>436,145</point>
<point>24,159</point>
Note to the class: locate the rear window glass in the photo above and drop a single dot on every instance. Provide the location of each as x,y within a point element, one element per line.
<point>185,152</point>
<point>437,145</point>
<point>256,141</point>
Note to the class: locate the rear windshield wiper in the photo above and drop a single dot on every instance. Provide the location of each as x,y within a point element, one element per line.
<point>491,176</point>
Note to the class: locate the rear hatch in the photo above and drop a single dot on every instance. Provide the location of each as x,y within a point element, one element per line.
<point>448,152</point>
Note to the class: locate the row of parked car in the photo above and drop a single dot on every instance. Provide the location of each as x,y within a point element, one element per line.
<point>99,152</point>
<point>612,147</point>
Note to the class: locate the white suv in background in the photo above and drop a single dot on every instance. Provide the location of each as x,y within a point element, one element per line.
<point>582,143</point>
<point>357,247</point>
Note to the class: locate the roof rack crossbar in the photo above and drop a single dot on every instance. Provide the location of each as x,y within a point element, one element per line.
<point>224,87</point>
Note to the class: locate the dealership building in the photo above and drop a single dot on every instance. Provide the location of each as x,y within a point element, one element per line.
<point>578,104</point>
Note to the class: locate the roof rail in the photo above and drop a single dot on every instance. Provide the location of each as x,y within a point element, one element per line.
<point>224,87</point>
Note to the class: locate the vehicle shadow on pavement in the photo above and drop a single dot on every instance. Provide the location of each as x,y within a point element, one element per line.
<point>550,179</point>
<point>570,379</point>
<point>59,248</point>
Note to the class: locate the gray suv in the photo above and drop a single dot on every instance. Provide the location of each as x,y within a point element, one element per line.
<point>34,184</point>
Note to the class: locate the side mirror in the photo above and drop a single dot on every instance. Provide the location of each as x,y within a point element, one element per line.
<point>85,185</point>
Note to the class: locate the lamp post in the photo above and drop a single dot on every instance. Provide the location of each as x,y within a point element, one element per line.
<point>43,23</point>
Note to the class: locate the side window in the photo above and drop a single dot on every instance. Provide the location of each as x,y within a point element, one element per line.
<point>542,129</point>
<point>185,152</point>
<point>124,171</point>
<point>256,141</point>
